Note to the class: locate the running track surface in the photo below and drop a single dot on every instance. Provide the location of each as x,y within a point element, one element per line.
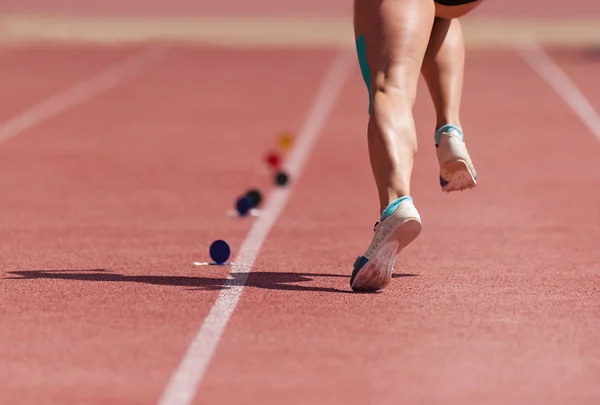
<point>107,204</point>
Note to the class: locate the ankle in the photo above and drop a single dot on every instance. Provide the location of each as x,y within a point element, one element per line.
<point>443,123</point>
<point>444,128</point>
<point>391,207</point>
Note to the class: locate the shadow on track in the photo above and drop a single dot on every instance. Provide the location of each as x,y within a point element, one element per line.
<point>259,279</point>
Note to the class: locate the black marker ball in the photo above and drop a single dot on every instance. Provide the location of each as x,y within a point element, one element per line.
<point>254,197</point>
<point>281,179</point>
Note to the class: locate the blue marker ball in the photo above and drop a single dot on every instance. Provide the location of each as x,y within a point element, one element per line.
<point>219,251</point>
<point>243,205</point>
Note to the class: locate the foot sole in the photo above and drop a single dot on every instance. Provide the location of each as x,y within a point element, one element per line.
<point>457,176</point>
<point>376,274</point>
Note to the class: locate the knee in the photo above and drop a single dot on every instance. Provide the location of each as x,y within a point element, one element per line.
<point>400,96</point>
<point>392,100</point>
<point>398,84</point>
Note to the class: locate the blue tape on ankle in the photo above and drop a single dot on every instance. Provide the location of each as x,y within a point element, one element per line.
<point>390,209</point>
<point>446,128</point>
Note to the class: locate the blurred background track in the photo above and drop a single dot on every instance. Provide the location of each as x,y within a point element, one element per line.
<point>277,31</point>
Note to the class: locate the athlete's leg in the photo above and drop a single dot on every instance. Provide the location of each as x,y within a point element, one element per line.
<point>394,35</point>
<point>444,62</point>
<point>443,70</point>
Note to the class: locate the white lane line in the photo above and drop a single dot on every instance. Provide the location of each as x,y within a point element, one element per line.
<point>552,74</point>
<point>81,92</point>
<point>184,382</point>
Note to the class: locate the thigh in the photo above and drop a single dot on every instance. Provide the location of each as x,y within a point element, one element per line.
<point>391,39</point>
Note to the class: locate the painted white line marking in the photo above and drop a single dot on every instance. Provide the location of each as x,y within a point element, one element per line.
<point>81,92</point>
<point>182,388</point>
<point>552,74</point>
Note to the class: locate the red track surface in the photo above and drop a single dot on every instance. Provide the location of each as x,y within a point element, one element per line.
<point>107,205</point>
<point>502,305</point>
<point>139,192</point>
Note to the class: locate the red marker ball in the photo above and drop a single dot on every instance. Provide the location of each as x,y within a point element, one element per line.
<point>272,159</point>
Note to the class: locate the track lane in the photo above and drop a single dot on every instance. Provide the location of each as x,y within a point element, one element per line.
<point>34,73</point>
<point>581,67</point>
<point>107,206</point>
<point>497,302</point>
